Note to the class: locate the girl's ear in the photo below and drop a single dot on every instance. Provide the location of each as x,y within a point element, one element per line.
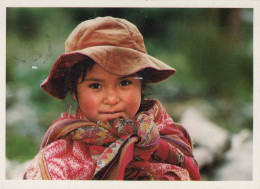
<point>74,96</point>
<point>143,90</point>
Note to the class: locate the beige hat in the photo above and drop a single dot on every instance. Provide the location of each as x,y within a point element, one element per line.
<point>115,44</point>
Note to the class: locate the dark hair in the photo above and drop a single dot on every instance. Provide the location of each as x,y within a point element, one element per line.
<point>81,68</point>
<point>78,70</point>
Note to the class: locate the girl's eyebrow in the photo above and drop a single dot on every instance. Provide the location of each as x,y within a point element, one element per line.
<point>127,76</point>
<point>93,79</point>
<point>101,80</point>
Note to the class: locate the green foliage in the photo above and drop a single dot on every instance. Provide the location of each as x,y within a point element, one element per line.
<point>20,147</point>
<point>211,50</point>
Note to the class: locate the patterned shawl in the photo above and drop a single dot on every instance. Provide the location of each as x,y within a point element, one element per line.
<point>148,147</point>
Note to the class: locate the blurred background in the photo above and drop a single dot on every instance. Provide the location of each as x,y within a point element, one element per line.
<point>211,94</point>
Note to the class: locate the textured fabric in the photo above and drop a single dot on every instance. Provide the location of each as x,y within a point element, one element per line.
<point>148,147</point>
<point>113,43</point>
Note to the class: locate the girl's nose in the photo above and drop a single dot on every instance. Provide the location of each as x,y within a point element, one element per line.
<point>111,97</point>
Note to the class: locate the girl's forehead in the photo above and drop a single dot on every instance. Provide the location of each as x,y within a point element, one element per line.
<point>98,71</point>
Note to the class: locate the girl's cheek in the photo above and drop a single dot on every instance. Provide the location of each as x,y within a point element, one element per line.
<point>90,101</point>
<point>134,101</point>
<point>86,99</point>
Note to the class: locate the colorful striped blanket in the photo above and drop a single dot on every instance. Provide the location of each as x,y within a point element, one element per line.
<point>150,146</point>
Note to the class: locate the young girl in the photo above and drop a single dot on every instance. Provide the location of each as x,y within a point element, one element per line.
<point>115,133</point>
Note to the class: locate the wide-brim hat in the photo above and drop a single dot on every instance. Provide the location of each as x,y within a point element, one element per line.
<point>113,43</point>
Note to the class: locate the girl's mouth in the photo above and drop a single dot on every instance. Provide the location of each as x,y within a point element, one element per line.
<point>113,115</point>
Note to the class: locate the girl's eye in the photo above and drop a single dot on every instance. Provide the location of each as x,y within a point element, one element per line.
<point>95,86</point>
<point>125,83</point>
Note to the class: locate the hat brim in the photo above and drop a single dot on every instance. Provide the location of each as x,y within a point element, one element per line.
<point>116,60</point>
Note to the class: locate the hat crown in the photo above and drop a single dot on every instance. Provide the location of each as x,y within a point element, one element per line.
<point>105,31</point>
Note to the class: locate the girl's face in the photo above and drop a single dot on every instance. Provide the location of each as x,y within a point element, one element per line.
<point>104,96</point>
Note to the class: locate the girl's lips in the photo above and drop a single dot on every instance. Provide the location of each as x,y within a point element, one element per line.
<point>112,115</point>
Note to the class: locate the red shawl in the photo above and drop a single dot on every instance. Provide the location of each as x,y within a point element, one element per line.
<point>148,147</point>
